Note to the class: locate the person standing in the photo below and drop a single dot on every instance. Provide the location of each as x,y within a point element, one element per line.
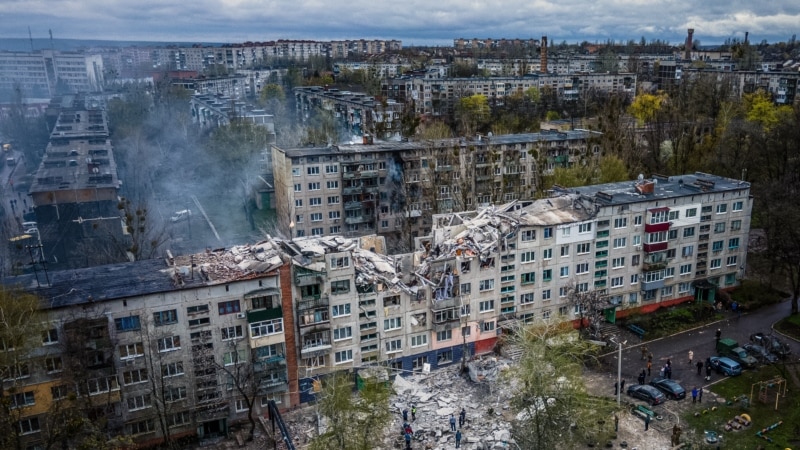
<point>646,422</point>
<point>408,441</point>
<point>616,388</point>
<point>700,395</point>
<point>616,422</point>
<point>413,412</point>
<point>452,423</point>
<point>699,367</point>
<point>694,395</point>
<point>644,351</point>
<point>708,369</point>
<point>691,357</point>
<point>458,439</point>
<point>462,417</point>
<point>718,334</point>
<point>405,415</point>
<point>622,385</point>
<point>649,366</point>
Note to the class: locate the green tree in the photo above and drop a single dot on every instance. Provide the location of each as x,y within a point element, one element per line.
<point>612,169</point>
<point>272,91</point>
<point>355,421</point>
<point>761,110</point>
<point>472,113</point>
<point>645,107</point>
<point>552,405</point>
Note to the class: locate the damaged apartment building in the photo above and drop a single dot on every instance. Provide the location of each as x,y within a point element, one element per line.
<point>291,311</point>
<point>393,188</point>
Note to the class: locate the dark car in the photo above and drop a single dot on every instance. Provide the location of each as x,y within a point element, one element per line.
<point>647,393</point>
<point>726,365</point>
<point>671,388</point>
<point>771,344</point>
<point>760,353</point>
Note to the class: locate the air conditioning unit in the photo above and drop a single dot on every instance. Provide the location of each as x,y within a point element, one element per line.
<point>638,247</point>
<point>241,315</point>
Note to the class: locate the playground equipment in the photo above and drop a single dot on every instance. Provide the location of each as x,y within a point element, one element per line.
<point>763,432</point>
<point>765,386</point>
<point>738,422</point>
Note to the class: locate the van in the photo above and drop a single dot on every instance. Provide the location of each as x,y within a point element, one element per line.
<point>731,349</point>
<point>726,366</point>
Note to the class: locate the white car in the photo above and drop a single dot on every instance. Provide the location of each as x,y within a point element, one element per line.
<point>181,215</point>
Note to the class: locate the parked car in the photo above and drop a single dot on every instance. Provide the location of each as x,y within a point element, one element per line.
<point>671,388</point>
<point>726,366</point>
<point>760,353</point>
<point>647,393</point>
<point>772,344</point>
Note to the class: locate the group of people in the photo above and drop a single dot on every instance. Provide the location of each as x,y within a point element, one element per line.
<point>408,432</point>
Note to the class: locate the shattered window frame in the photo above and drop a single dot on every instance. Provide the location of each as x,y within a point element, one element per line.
<point>526,298</point>
<point>340,262</point>
<point>528,235</point>
<point>488,326</point>
<point>444,357</point>
<point>339,287</point>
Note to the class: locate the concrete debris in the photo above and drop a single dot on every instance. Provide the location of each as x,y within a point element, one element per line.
<point>225,265</point>
<point>485,369</point>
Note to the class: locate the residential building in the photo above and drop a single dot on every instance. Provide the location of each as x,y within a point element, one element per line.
<point>356,113</point>
<point>178,342</point>
<point>393,188</point>
<point>45,73</point>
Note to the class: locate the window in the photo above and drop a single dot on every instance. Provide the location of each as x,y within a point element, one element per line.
<point>658,217</point>
<point>314,186</point>
<point>487,327</point>
<point>466,288</point>
<point>737,206</point>
<point>445,335</point>
<point>172,369</point>
<point>127,351</point>
<point>229,307</point>
<point>394,346</point>
<point>298,203</point>
<point>621,222</point>
<point>635,278</point>
<point>731,261</point>
<point>620,242</point>
<point>565,232</point>
<point>635,260</point>
<point>736,225</point>
<point>686,269</point>
<point>637,240</point>
<point>616,263</point>
<point>527,257</point>
<point>528,278</point>
<point>419,340</point>
<point>342,333</point>
<point>687,250</point>
<point>234,357</point>
<point>332,185</point>
<point>313,170</point>
<point>331,169</point>
<point>28,426</point>
<point>298,187</point>
<point>486,285</point>
<point>334,214</point>
<point>234,332</point>
<point>298,218</point>
<point>507,278</point>
<point>333,200</point>
<point>688,232</point>
<point>266,327</point>
<point>564,272</point>
<point>637,220</point>
<point>340,287</point>
<point>722,208</point>
<point>173,394</point>
<point>343,356</point>
<point>656,237</point>
<point>393,323</point>
<point>486,306</point>
<point>199,309</point>
<point>444,357</point>
<point>50,336</point>
<point>546,295</point>
<point>315,201</point>
<point>525,299</point>
<point>340,262</point>
<point>548,232</point>
<point>60,391</point>
<point>296,172</point>
<point>22,399</point>
<point>582,268</point>
<point>564,250</point>
<point>719,227</point>
<point>316,217</point>
<point>617,282</point>
<point>733,243</point>
<point>585,228</point>
<point>336,230</point>
<point>716,263</point>
<point>53,364</point>
<point>134,376</point>
<point>199,322</point>
<point>684,287</point>
<point>583,248</point>
<point>674,215</point>
<point>170,343</point>
<point>716,246</point>
<point>144,426</point>
<point>547,253</point>
<point>102,385</point>
<point>138,402</point>
<point>673,234</point>
<point>666,291</point>
<point>130,323</point>
<point>528,235</point>
<point>341,310</point>
<point>165,317</point>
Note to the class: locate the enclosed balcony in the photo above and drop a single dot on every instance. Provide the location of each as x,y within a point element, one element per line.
<point>352,190</point>
<point>314,343</point>
<point>305,277</point>
<point>313,317</point>
<point>313,302</point>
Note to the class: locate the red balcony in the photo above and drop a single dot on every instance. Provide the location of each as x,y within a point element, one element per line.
<point>652,228</point>
<point>656,247</point>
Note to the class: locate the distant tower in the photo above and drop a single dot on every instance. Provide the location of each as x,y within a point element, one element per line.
<point>746,37</point>
<point>543,54</point>
<point>688,53</point>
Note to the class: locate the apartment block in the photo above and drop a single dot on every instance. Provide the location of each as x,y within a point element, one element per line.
<point>393,188</point>
<point>45,73</point>
<point>356,113</point>
<point>160,346</point>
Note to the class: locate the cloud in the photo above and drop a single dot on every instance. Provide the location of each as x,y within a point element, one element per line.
<point>413,21</point>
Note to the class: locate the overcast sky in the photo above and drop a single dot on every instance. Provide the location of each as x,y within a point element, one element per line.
<point>415,22</point>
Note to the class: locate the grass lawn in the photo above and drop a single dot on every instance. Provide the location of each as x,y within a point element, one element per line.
<point>762,414</point>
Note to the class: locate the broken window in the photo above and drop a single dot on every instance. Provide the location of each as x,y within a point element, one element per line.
<point>393,300</point>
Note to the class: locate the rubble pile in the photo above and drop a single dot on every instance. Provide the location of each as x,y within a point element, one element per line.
<point>224,265</point>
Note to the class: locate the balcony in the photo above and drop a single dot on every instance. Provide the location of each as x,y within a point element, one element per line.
<point>313,302</point>
<point>352,190</point>
<point>354,219</point>
<point>264,314</point>
<point>602,234</point>
<point>317,317</point>
<point>655,284</point>
<point>444,168</point>
<point>349,175</point>
<point>372,189</point>
<point>273,384</point>
<point>305,277</point>
<point>369,173</point>
<point>352,205</point>
<point>655,265</point>
<point>269,364</point>
<point>655,227</point>
<point>315,347</point>
<point>655,247</point>
<point>485,177</point>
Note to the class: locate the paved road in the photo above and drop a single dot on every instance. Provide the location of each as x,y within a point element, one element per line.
<point>701,341</point>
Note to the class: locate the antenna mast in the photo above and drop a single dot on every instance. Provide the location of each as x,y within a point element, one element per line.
<point>30,37</point>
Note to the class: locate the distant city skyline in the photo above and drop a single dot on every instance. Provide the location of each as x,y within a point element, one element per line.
<point>414,22</point>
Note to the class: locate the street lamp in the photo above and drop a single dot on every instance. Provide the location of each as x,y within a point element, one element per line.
<point>619,371</point>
